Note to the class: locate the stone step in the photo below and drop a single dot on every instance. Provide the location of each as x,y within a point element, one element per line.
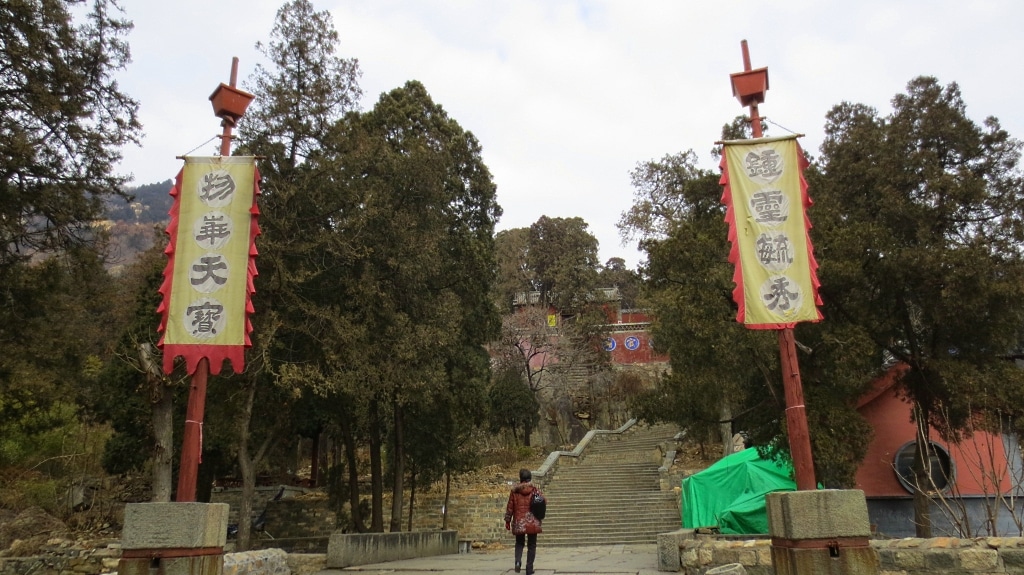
<point>639,510</point>
<point>612,493</point>
<point>604,470</point>
<point>660,526</point>
<point>644,481</point>
<point>608,499</point>
<point>648,476</point>
<point>596,523</point>
<point>587,466</point>
<point>609,538</point>
<point>617,488</point>
<point>603,499</point>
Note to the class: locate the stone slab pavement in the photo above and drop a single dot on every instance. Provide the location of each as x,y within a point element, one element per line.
<point>601,560</point>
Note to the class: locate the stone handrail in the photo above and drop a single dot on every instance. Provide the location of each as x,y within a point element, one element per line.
<point>670,454</point>
<point>551,462</point>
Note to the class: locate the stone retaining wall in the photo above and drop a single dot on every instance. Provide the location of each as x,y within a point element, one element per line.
<point>681,552</point>
<point>477,517</point>
<point>297,518</point>
<point>261,497</point>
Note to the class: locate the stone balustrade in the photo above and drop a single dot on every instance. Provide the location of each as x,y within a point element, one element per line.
<point>682,551</point>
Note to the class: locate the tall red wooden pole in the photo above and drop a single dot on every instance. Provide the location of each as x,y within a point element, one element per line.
<point>796,413</point>
<point>192,439</point>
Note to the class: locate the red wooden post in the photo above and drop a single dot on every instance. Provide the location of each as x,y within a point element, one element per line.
<point>796,413</point>
<point>192,440</point>
<point>192,437</point>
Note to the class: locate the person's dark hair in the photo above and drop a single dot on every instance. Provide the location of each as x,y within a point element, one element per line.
<point>525,475</point>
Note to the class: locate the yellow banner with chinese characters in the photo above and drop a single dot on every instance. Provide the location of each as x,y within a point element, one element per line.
<point>766,194</point>
<point>208,280</point>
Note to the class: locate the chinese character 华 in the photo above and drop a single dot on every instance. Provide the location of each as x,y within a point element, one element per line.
<point>214,227</point>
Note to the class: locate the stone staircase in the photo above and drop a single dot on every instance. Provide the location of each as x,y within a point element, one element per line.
<point>611,493</point>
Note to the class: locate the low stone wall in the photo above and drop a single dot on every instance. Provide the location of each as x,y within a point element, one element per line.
<point>306,563</point>
<point>64,562</point>
<point>261,562</point>
<point>71,561</point>
<point>348,549</point>
<point>988,555</point>
<point>681,551</point>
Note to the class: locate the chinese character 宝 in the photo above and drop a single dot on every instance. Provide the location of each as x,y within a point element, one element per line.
<point>205,317</point>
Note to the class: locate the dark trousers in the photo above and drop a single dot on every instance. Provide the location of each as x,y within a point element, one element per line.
<point>530,541</point>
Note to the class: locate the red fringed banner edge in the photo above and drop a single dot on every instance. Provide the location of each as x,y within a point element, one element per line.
<point>193,353</point>
<point>738,294</point>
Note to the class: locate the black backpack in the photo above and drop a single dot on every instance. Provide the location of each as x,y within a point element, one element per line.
<point>538,505</point>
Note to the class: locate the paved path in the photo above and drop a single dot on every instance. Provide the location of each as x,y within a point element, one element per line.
<point>607,559</point>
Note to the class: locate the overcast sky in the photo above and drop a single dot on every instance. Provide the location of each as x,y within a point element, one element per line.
<point>566,97</point>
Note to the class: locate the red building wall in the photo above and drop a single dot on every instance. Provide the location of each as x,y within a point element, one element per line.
<point>629,347</point>
<point>890,417</point>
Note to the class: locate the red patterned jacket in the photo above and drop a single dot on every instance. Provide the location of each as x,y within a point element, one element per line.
<point>517,511</point>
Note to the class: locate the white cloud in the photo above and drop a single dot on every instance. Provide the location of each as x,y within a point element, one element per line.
<point>566,97</point>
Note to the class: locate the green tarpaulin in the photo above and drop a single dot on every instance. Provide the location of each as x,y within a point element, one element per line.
<point>730,494</point>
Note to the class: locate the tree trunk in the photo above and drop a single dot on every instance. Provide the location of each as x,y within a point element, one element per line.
<point>247,468</point>
<point>353,476</point>
<point>412,494</point>
<point>447,495</point>
<point>725,427</point>
<point>163,426</point>
<point>922,477</point>
<point>314,466</point>
<point>397,472</point>
<point>376,472</point>
<point>163,451</point>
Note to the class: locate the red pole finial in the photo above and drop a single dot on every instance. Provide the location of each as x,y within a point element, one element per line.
<point>229,104</point>
<point>749,86</point>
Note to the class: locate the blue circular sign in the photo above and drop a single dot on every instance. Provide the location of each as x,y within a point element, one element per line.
<point>609,344</point>
<point>632,343</point>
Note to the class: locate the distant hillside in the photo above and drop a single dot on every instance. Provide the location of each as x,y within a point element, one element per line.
<point>150,205</point>
<point>135,225</point>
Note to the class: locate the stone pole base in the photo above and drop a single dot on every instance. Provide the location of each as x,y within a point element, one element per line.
<point>173,539</point>
<point>823,532</point>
